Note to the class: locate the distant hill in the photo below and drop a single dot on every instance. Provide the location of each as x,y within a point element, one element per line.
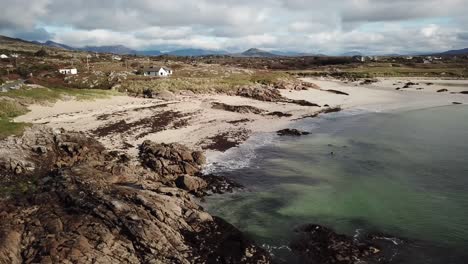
<point>196,52</point>
<point>149,52</point>
<point>352,53</point>
<point>455,52</point>
<point>53,44</point>
<point>117,49</point>
<point>258,53</point>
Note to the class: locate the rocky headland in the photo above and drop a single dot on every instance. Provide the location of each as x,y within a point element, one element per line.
<point>66,199</point>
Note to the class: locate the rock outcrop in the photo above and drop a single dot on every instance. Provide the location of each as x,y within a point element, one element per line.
<point>261,93</point>
<point>65,199</point>
<point>270,94</point>
<point>317,244</point>
<point>243,109</point>
<point>171,160</point>
<point>291,132</point>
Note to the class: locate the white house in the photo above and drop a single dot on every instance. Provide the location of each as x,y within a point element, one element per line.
<point>3,56</point>
<point>14,55</point>
<point>156,71</point>
<point>72,71</point>
<point>117,58</point>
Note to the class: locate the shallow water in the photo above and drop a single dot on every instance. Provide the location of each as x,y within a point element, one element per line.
<point>404,174</point>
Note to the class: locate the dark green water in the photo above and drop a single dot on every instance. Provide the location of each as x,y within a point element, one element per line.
<point>404,174</point>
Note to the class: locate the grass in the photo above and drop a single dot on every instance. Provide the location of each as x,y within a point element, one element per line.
<point>14,103</point>
<point>219,84</point>
<point>393,70</point>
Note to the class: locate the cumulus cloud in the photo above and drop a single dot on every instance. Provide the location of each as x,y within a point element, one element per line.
<point>331,26</point>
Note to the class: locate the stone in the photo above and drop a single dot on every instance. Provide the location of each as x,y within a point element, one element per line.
<point>190,183</point>
<point>291,132</point>
<point>74,209</point>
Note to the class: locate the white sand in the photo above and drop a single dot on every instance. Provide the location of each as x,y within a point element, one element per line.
<point>203,122</point>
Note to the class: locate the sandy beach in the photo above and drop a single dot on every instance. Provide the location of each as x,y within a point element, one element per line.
<point>123,122</point>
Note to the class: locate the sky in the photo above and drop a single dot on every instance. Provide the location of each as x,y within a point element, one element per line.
<point>315,26</point>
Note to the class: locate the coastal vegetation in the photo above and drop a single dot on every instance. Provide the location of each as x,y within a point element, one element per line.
<point>15,103</point>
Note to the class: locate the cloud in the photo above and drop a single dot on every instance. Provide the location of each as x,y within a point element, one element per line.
<point>331,26</point>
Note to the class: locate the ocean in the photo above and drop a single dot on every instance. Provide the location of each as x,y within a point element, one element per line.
<point>403,173</point>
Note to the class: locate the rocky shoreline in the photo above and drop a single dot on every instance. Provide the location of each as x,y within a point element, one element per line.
<point>67,199</point>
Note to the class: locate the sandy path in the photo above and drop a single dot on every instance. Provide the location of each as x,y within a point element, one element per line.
<point>123,122</point>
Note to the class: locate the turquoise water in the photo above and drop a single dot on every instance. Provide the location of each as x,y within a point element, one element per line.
<point>404,174</point>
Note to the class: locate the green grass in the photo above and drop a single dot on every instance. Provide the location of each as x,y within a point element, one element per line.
<point>14,103</point>
<point>220,84</point>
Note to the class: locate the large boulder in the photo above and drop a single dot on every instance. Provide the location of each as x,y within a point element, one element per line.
<point>171,160</point>
<point>190,183</point>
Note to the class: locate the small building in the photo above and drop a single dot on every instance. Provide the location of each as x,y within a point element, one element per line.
<point>71,71</point>
<point>116,58</point>
<point>156,71</point>
<point>14,55</point>
<point>359,58</point>
<point>3,56</point>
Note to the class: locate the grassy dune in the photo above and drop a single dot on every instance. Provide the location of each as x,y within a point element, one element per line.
<point>216,83</point>
<point>14,103</point>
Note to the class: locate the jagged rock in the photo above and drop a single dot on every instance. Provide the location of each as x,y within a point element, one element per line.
<point>261,93</point>
<point>170,160</point>
<point>223,243</point>
<point>303,103</point>
<point>318,244</point>
<point>268,94</point>
<point>291,132</point>
<point>79,203</point>
<point>243,109</point>
<point>190,183</point>
<point>336,92</point>
<point>279,114</point>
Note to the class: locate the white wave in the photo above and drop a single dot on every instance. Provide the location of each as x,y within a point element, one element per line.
<point>239,157</point>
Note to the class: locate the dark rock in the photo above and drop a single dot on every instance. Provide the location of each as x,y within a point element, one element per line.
<point>368,81</point>
<point>336,92</point>
<point>243,109</point>
<point>457,103</point>
<point>331,110</point>
<point>318,244</point>
<point>279,114</point>
<point>464,92</point>
<point>303,103</point>
<point>221,242</point>
<point>291,132</point>
<point>442,90</point>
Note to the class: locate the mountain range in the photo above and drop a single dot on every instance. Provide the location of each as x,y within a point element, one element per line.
<point>253,52</point>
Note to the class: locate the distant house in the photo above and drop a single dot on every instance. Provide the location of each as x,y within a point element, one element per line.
<point>14,55</point>
<point>71,71</point>
<point>3,56</point>
<point>156,71</point>
<point>359,58</point>
<point>117,58</point>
